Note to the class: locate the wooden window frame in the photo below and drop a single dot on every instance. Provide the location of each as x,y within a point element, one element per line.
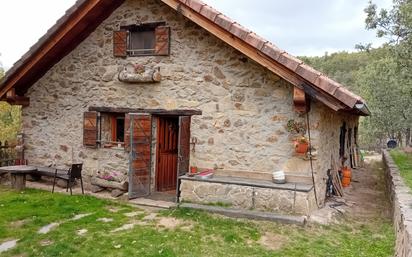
<point>144,27</point>
<point>142,51</point>
<point>113,117</point>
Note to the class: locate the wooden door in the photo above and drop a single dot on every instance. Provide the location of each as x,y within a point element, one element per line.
<point>138,137</point>
<point>167,151</point>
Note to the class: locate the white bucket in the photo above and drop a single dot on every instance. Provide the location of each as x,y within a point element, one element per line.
<point>278,175</point>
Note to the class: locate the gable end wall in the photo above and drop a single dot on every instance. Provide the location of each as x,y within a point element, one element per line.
<point>245,107</point>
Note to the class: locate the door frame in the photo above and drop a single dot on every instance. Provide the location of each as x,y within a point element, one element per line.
<point>181,114</point>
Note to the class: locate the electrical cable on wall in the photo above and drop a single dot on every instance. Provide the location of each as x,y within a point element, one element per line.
<point>311,161</point>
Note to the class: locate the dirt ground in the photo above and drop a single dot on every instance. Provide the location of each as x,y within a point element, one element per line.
<point>363,200</point>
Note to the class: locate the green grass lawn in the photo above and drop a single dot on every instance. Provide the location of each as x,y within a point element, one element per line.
<point>404,162</point>
<point>179,232</point>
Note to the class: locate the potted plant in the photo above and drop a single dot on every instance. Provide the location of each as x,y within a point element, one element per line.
<point>193,170</point>
<point>301,145</point>
<point>296,127</point>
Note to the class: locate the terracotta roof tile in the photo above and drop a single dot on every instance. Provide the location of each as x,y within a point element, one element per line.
<point>326,84</point>
<point>255,41</point>
<point>195,4</point>
<point>272,51</point>
<point>289,61</point>
<point>347,97</point>
<point>307,72</point>
<point>239,31</point>
<point>209,12</point>
<point>224,22</point>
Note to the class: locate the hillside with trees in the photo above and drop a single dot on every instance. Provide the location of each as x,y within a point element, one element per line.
<point>382,76</point>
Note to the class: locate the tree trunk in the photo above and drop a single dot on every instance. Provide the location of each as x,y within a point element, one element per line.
<point>399,137</point>
<point>18,181</point>
<point>408,137</point>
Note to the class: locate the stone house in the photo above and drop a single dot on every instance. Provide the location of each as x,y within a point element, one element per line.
<point>139,91</point>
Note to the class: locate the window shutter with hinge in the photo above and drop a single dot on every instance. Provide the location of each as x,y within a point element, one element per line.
<point>162,37</point>
<point>120,43</point>
<point>90,129</point>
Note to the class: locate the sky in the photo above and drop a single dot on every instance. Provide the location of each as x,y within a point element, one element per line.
<point>300,27</point>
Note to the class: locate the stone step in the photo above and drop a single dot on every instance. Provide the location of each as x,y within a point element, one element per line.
<point>153,203</point>
<point>256,215</point>
<point>298,178</point>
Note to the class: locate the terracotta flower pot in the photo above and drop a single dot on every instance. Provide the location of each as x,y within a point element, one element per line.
<point>193,169</point>
<point>302,147</point>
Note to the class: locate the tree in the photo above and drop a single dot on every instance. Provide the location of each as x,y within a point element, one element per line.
<point>10,118</point>
<point>396,25</point>
<point>378,82</point>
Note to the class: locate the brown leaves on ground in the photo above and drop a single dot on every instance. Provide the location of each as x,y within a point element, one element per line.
<point>272,241</point>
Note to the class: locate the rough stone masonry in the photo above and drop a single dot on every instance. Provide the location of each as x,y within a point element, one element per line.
<point>245,107</point>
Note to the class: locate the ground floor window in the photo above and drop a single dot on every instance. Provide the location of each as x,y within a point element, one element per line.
<point>112,129</point>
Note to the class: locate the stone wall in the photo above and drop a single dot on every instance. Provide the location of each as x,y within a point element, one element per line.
<point>245,107</point>
<point>248,197</point>
<point>325,130</point>
<point>401,201</point>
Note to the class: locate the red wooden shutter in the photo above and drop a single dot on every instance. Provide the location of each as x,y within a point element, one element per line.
<point>184,145</point>
<point>90,129</point>
<point>162,37</point>
<point>140,136</point>
<point>120,43</point>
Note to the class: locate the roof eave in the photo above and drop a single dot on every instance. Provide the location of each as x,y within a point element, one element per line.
<point>362,108</point>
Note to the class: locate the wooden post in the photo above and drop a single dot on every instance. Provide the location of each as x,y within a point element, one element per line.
<point>300,101</point>
<point>18,181</point>
<point>1,154</point>
<point>20,149</point>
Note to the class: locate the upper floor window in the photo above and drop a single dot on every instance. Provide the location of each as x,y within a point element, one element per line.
<point>142,40</point>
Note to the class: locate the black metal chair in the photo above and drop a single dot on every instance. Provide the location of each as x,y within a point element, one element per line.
<point>74,172</point>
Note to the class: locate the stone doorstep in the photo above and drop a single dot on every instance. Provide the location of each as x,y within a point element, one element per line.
<point>255,215</point>
<point>153,203</point>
